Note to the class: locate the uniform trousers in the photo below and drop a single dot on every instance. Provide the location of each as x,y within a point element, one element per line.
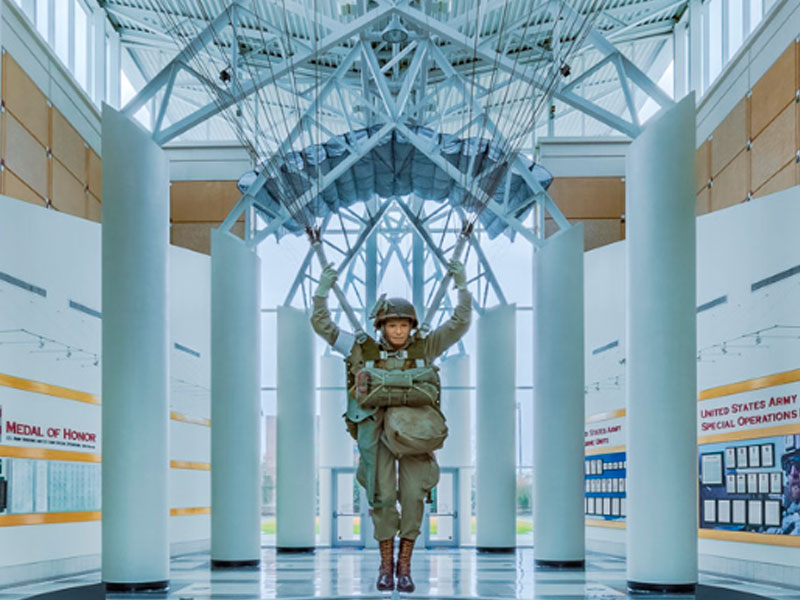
<point>418,475</point>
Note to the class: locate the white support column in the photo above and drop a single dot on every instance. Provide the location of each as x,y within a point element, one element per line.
<point>558,401</point>
<point>496,400</point>
<point>335,444</point>
<point>235,403</point>
<point>456,452</point>
<point>295,486</point>
<point>661,365</point>
<point>135,241</point>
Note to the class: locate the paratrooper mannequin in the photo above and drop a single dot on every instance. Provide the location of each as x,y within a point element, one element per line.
<point>393,413</point>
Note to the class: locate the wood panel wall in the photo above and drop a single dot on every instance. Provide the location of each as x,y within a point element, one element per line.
<point>196,207</point>
<point>44,160</point>
<point>598,202</point>
<point>754,151</point>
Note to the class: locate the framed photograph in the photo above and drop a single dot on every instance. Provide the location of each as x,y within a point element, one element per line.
<point>723,511</point>
<point>615,485</point>
<point>767,455</point>
<point>741,457</point>
<point>763,483</point>
<point>772,513</point>
<point>621,484</point>
<point>730,484</point>
<point>788,442</point>
<point>606,506</point>
<point>739,512</point>
<point>587,466</point>
<point>776,482</point>
<point>600,466</point>
<point>711,468</point>
<point>615,507</point>
<point>741,484</point>
<point>710,511</point>
<point>754,456</point>
<point>730,458</point>
<point>752,483</point>
<point>585,506</point>
<point>590,510</point>
<point>587,484</point>
<point>755,512</point>
<point>622,507</point>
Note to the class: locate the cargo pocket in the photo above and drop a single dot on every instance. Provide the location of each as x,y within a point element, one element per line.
<point>432,476</point>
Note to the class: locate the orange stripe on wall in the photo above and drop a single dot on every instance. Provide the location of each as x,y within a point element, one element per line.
<point>185,464</point>
<point>606,450</point>
<point>195,510</point>
<point>191,420</point>
<point>750,537</point>
<point>46,454</point>
<point>612,414</point>
<point>39,387</point>
<point>750,384</point>
<point>83,517</point>
<point>604,523</point>
<point>48,518</point>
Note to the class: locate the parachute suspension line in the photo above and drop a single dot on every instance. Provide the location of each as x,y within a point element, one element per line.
<point>315,236</point>
<point>204,64</point>
<point>485,181</point>
<point>458,250</point>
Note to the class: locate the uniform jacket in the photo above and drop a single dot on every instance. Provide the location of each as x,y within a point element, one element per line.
<point>366,425</point>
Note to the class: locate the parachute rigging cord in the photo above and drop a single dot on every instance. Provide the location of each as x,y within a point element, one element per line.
<point>535,40</point>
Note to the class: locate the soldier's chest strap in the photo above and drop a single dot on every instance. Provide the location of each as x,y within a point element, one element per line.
<point>413,355</point>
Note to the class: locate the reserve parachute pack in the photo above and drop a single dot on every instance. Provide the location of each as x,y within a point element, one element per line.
<point>376,387</point>
<point>413,423</point>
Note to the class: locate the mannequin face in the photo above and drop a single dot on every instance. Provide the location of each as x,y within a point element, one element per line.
<point>795,493</point>
<point>396,331</point>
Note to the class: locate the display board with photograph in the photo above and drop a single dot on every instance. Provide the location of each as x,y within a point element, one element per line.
<point>751,485</point>
<point>604,496</point>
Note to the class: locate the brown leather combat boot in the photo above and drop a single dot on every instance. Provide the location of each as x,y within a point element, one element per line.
<point>386,570</point>
<point>404,581</point>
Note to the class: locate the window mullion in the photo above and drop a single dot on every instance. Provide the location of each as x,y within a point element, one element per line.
<point>71,37</point>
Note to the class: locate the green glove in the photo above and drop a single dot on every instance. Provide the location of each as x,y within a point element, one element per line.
<point>326,281</point>
<point>459,274</point>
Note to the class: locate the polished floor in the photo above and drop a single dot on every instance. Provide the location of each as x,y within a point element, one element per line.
<point>344,573</point>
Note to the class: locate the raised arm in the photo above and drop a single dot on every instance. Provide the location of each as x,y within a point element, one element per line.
<point>455,327</point>
<point>321,321</point>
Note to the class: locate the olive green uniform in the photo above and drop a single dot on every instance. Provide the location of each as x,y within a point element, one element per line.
<point>418,473</point>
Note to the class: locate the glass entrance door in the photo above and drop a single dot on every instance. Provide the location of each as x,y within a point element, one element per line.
<point>440,525</point>
<point>346,503</point>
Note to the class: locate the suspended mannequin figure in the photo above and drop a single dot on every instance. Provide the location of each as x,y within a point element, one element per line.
<point>393,413</point>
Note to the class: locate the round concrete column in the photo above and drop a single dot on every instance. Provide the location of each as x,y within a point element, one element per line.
<point>135,242</point>
<point>558,401</point>
<point>295,485</point>
<point>335,444</point>
<point>456,452</point>
<point>496,464</point>
<point>661,354</point>
<point>235,402</point>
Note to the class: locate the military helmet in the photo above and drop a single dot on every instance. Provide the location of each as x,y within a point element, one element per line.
<point>393,308</point>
